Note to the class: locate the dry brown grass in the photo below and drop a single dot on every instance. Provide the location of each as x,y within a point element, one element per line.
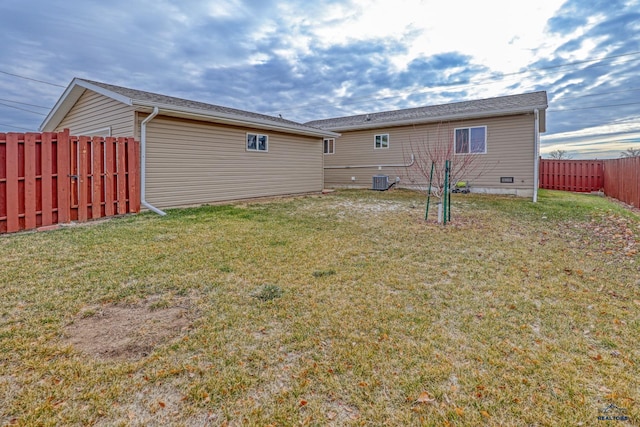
<point>343,309</point>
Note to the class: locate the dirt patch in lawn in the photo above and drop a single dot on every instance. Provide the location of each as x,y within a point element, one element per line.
<point>127,332</point>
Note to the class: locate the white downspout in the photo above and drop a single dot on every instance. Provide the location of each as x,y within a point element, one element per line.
<point>536,155</point>
<point>143,163</point>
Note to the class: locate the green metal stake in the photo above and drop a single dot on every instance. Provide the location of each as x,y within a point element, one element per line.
<point>446,192</point>
<point>426,214</point>
<point>449,192</point>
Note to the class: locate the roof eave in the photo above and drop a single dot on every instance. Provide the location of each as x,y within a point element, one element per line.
<point>234,119</point>
<point>415,121</point>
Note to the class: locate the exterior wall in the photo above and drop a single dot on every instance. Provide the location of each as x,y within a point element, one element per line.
<point>192,162</point>
<point>94,112</point>
<point>510,153</point>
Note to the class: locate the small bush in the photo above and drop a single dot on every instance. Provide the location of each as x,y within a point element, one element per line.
<point>322,273</point>
<point>268,293</point>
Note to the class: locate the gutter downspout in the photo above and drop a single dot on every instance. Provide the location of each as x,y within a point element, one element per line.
<point>143,163</point>
<point>536,155</point>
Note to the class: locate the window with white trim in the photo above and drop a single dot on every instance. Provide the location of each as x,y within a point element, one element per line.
<point>257,142</point>
<point>329,145</point>
<point>471,140</point>
<point>381,141</point>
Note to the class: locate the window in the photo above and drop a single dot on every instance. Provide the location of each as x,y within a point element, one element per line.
<point>257,142</point>
<point>472,140</point>
<point>381,141</point>
<point>329,145</point>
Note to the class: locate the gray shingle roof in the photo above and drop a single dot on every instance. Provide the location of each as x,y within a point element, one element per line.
<point>155,99</point>
<point>502,105</point>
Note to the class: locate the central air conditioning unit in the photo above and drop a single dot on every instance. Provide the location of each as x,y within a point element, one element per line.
<point>380,182</point>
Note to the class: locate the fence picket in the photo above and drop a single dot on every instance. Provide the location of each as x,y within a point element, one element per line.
<point>63,179</point>
<point>109,176</point>
<point>97,153</point>
<point>133,176</point>
<point>13,222</point>
<point>121,177</point>
<point>46,180</point>
<point>30,180</point>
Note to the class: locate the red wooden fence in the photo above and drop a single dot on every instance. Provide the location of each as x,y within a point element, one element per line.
<point>622,180</point>
<point>571,175</point>
<point>53,178</point>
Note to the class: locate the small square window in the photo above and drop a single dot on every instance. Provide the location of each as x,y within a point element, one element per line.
<point>471,140</point>
<point>257,142</point>
<point>381,141</point>
<point>329,145</point>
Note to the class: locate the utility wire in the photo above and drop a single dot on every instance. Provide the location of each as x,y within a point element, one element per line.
<point>16,127</point>
<point>29,78</point>
<point>593,108</point>
<point>22,109</point>
<point>24,103</point>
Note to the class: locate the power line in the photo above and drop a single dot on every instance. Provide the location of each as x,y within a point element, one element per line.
<point>633,89</point>
<point>22,109</point>
<point>24,103</point>
<point>29,78</point>
<point>16,127</point>
<point>592,108</point>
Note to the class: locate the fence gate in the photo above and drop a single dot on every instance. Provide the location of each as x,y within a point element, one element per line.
<point>51,178</point>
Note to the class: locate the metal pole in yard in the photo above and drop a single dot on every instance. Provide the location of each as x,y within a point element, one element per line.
<point>449,191</point>
<point>426,214</point>
<point>446,192</point>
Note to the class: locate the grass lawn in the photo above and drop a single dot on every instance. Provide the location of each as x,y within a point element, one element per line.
<point>342,309</point>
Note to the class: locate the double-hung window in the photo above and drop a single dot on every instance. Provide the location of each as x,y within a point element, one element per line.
<point>471,140</point>
<point>381,141</point>
<point>257,142</point>
<point>329,145</point>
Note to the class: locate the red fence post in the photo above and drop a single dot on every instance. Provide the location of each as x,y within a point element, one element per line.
<point>133,175</point>
<point>96,176</point>
<point>46,181</point>
<point>109,171</point>
<point>84,160</point>
<point>3,182</point>
<point>30,180</point>
<point>13,212</point>
<point>63,178</point>
<point>122,177</point>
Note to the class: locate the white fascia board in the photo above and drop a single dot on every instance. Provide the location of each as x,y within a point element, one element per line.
<point>105,92</point>
<point>393,123</point>
<point>233,119</point>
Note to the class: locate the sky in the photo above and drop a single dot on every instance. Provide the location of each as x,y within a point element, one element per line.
<point>309,60</point>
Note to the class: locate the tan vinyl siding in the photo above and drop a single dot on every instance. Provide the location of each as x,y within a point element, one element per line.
<point>190,162</point>
<point>510,152</point>
<point>94,112</point>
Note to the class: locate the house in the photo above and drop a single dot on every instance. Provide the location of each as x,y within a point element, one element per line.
<point>500,135</point>
<point>192,152</point>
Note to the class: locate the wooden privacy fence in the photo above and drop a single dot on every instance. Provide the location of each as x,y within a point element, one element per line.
<point>571,175</point>
<point>622,180</point>
<point>51,178</point>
